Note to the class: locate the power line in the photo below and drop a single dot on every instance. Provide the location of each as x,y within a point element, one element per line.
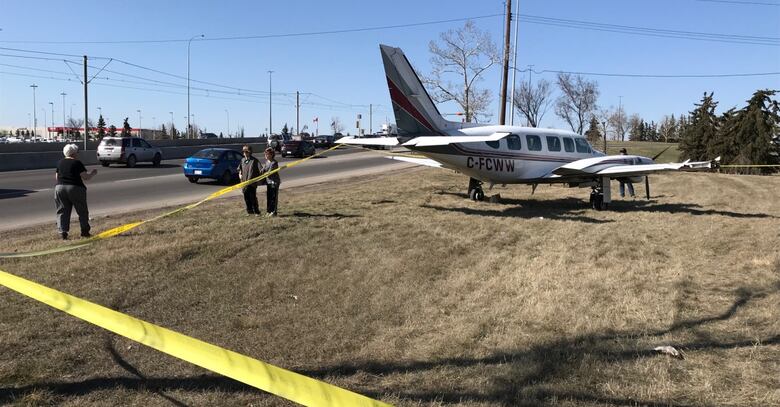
<point>664,76</point>
<point>266,36</point>
<point>749,3</point>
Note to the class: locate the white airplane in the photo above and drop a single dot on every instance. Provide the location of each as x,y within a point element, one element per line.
<point>497,154</point>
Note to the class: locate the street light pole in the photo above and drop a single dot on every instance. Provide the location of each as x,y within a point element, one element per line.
<point>188,81</point>
<point>172,126</point>
<point>139,122</point>
<point>270,105</point>
<point>228,122</point>
<point>52,118</point>
<point>35,107</point>
<point>63,114</point>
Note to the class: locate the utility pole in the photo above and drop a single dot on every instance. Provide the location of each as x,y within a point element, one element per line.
<point>86,105</point>
<point>188,80</point>
<point>370,118</point>
<point>505,74</point>
<point>270,104</point>
<point>35,107</point>
<point>298,113</point>
<point>604,124</point>
<point>63,114</point>
<point>514,67</point>
<point>228,122</point>
<point>52,117</point>
<point>620,118</point>
<point>139,122</point>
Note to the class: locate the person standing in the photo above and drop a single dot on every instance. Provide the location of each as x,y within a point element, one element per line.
<point>272,182</point>
<point>624,181</point>
<point>71,192</point>
<point>249,168</point>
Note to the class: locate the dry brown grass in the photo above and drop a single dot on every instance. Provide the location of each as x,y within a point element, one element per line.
<point>399,288</point>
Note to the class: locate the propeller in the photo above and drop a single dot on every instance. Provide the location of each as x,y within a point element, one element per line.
<point>647,186</point>
<point>662,151</point>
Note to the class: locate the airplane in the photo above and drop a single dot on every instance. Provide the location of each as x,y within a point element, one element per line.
<point>499,154</point>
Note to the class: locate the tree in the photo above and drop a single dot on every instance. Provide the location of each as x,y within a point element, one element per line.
<point>750,135</point>
<point>577,100</point>
<point>285,130</point>
<point>593,134</point>
<point>619,123</point>
<point>163,132</point>
<point>637,128</point>
<point>112,131</point>
<point>533,101</point>
<point>701,131</point>
<point>465,54</point>
<point>336,125</point>
<point>668,128</point>
<point>126,129</point>
<point>101,127</point>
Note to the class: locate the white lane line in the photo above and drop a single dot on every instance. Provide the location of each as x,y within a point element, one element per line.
<point>148,178</point>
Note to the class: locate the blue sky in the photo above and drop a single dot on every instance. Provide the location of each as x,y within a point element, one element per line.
<point>341,74</point>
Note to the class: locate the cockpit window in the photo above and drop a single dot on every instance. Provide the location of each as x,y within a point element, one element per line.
<point>493,144</point>
<point>568,144</point>
<point>582,145</point>
<point>534,142</point>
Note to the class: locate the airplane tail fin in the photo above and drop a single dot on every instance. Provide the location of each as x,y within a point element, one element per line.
<point>415,112</point>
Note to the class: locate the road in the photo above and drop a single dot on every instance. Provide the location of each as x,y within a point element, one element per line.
<point>27,197</point>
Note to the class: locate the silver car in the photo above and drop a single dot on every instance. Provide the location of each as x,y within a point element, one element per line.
<point>127,150</point>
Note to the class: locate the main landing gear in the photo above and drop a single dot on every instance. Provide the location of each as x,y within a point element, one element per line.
<point>601,195</point>
<point>475,190</point>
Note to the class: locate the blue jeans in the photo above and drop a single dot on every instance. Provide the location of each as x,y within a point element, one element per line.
<point>623,183</point>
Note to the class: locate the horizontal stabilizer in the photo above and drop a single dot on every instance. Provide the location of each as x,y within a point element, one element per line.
<point>445,140</point>
<point>371,141</point>
<point>419,161</point>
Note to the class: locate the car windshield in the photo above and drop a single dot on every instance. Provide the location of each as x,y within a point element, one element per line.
<point>109,142</point>
<point>208,153</point>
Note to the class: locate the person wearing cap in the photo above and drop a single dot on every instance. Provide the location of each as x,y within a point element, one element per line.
<point>249,168</point>
<point>624,181</point>
<point>71,192</point>
<point>272,182</point>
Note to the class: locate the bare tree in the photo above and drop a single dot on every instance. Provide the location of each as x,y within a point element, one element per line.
<point>577,100</point>
<point>619,122</point>
<point>336,125</point>
<point>533,101</point>
<point>466,54</point>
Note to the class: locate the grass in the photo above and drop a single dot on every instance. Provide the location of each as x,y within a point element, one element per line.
<point>669,151</point>
<point>399,288</point>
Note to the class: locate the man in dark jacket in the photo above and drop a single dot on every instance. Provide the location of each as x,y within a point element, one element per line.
<point>249,168</point>
<point>272,182</point>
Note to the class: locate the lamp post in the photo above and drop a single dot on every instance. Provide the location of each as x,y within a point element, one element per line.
<point>35,107</point>
<point>604,125</point>
<point>172,126</point>
<point>188,80</point>
<point>63,114</point>
<point>45,119</point>
<point>52,117</point>
<point>139,122</point>
<point>228,122</point>
<point>270,104</point>
<point>100,111</point>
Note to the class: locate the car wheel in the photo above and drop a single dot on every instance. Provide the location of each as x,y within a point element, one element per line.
<point>156,160</point>
<point>227,178</point>
<point>194,180</point>
<point>131,161</point>
<point>105,163</point>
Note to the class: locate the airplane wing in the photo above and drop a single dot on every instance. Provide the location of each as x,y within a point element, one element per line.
<point>591,166</point>
<point>425,141</point>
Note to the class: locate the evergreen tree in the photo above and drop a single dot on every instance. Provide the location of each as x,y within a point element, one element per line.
<point>652,132</point>
<point>112,131</point>
<point>285,130</point>
<point>101,127</point>
<point>164,132</point>
<point>750,135</point>
<point>593,134</point>
<point>701,131</point>
<point>126,129</point>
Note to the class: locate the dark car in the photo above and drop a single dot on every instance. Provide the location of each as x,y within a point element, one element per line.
<point>215,163</point>
<point>324,141</point>
<point>297,148</point>
<point>275,141</point>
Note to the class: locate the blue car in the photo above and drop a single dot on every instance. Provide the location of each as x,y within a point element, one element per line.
<point>216,163</point>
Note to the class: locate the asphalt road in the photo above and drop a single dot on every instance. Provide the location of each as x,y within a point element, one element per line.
<point>27,197</point>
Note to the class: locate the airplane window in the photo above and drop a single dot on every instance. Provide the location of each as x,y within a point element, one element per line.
<point>568,144</point>
<point>534,142</point>
<point>494,144</point>
<point>582,145</point>
<point>513,142</point>
<point>553,143</point>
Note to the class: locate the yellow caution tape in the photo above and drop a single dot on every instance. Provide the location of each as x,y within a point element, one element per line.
<point>281,382</point>
<point>749,165</point>
<point>124,228</point>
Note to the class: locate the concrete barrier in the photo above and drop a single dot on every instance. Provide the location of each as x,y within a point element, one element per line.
<point>14,161</point>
